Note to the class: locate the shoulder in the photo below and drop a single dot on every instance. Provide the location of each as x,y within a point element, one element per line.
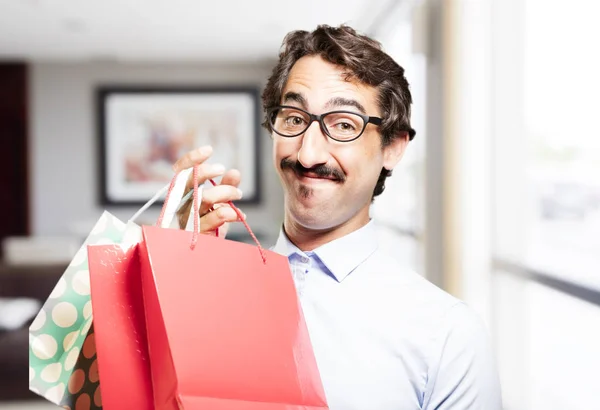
<point>404,284</point>
<point>461,333</point>
<point>439,315</point>
<point>462,369</point>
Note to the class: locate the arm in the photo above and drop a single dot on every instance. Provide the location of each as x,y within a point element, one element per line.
<point>462,374</point>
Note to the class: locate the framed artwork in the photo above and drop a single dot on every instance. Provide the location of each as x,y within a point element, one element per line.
<point>143,131</point>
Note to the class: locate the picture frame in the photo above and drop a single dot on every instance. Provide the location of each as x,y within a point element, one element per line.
<point>142,131</point>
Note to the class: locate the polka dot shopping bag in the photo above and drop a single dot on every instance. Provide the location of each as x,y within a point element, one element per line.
<point>63,366</point>
<point>63,362</point>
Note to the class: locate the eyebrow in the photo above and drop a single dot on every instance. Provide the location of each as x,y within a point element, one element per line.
<point>295,97</point>
<point>345,102</point>
<point>336,102</point>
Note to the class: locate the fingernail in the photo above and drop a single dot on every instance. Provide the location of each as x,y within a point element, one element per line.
<point>218,168</point>
<point>239,191</point>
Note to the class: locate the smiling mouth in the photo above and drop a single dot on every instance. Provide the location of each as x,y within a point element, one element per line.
<point>315,176</point>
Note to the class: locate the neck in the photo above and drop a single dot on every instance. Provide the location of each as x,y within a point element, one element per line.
<point>308,239</point>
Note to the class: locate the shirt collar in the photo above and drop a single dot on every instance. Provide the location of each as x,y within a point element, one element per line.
<point>340,256</point>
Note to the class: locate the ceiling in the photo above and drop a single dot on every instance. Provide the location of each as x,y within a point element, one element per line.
<point>177,30</point>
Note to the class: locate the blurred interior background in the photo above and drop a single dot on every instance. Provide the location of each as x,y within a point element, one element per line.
<point>497,200</point>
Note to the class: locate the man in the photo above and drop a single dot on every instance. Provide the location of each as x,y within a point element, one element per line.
<point>338,109</point>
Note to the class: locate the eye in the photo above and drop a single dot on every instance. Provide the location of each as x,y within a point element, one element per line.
<point>294,121</point>
<point>343,122</point>
<point>345,126</point>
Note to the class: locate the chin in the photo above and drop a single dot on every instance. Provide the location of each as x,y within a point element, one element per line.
<point>313,216</point>
<point>314,223</point>
<point>315,205</point>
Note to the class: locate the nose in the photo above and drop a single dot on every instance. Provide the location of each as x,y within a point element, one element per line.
<point>313,150</point>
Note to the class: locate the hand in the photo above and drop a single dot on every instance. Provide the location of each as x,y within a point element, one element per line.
<point>213,197</point>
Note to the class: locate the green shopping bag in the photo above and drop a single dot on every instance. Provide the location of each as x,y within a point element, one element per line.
<point>63,366</point>
<point>62,353</point>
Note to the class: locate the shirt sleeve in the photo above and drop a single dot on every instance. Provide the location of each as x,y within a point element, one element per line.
<point>462,372</point>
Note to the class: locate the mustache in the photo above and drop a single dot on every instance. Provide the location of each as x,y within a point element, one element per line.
<point>322,171</point>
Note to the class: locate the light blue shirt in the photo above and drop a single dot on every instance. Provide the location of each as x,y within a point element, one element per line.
<point>384,337</point>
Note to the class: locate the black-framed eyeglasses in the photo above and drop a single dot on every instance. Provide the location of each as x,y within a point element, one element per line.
<point>341,125</point>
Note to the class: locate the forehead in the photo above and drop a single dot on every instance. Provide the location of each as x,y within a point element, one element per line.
<point>319,81</point>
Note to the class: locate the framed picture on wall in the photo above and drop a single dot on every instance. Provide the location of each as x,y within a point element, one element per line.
<point>143,131</point>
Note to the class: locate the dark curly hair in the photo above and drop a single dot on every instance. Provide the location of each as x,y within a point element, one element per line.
<point>364,60</point>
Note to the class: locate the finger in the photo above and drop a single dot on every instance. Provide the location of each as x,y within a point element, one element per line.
<point>219,194</point>
<point>217,218</point>
<point>205,172</point>
<point>231,177</point>
<point>195,157</point>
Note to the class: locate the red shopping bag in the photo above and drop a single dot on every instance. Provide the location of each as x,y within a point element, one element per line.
<point>225,327</point>
<point>120,328</point>
<point>118,311</point>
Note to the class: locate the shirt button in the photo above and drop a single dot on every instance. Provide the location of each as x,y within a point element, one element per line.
<point>304,259</point>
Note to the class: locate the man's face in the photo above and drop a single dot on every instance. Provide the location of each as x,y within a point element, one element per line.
<point>327,182</point>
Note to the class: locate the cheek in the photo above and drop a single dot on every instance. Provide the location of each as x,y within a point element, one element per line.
<point>278,151</point>
<point>361,161</point>
<point>283,148</point>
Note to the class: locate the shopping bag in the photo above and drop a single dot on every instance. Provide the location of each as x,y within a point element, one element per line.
<point>63,364</point>
<point>224,325</point>
<point>120,330</point>
<point>119,321</point>
<point>62,354</point>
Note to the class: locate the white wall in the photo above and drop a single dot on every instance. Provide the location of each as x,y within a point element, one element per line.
<point>63,149</point>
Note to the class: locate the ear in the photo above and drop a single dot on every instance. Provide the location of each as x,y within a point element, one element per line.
<point>393,153</point>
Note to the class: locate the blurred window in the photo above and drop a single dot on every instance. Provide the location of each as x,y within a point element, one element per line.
<point>561,88</point>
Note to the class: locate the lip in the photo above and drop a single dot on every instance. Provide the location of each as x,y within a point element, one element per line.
<point>309,177</point>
